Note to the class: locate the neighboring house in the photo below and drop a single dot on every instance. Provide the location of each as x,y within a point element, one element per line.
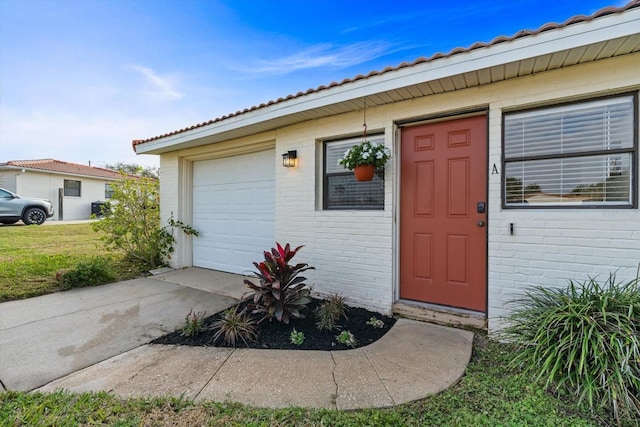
<point>72,188</point>
<point>515,164</point>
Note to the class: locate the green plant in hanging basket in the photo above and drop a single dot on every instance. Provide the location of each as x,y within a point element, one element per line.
<point>366,153</point>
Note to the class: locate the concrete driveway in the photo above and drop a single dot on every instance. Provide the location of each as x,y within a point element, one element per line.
<point>48,337</point>
<point>95,339</point>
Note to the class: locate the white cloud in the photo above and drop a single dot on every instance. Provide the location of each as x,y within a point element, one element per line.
<point>162,87</point>
<point>321,55</point>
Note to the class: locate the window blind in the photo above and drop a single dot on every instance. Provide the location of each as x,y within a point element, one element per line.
<point>579,154</point>
<point>341,190</point>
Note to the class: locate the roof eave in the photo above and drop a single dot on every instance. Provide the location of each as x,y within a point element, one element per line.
<point>26,168</point>
<point>609,27</point>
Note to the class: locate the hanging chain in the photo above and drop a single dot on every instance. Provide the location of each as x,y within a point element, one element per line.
<point>364,125</point>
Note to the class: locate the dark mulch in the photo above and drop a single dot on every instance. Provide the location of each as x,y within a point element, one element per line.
<point>276,335</point>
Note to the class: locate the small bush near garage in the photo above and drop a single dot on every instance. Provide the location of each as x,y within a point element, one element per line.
<point>90,272</point>
<point>131,223</point>
<point>584,340</point>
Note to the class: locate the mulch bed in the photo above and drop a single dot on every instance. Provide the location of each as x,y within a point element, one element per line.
<point>276,335</point>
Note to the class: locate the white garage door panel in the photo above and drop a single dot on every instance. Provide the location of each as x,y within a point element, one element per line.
<point>234,210</point>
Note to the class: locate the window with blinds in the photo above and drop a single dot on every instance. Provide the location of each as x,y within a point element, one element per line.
<point>72,188</point>
<point>341,190</point>
<point>580,155</point>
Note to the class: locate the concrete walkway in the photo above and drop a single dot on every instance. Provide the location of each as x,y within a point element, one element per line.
<point>94,339</point>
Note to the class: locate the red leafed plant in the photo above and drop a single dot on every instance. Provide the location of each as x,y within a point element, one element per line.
<point>281,292</point>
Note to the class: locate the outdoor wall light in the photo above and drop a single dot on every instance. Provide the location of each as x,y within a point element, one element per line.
<point>289,159</point>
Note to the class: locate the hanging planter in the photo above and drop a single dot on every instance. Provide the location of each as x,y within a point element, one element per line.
<point>365,158</point>
<point>364,173</point>
<point>368,156</point>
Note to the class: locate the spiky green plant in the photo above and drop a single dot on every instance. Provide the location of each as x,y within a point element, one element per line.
<point>234,326</point>
<point>584,339</point>
<point>330,311</point>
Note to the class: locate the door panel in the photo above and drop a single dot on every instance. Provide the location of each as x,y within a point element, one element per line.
<point>443,251</point>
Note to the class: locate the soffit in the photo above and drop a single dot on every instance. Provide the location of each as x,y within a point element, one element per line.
<point>531,55</point>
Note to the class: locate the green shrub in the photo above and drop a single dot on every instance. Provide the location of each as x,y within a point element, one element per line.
<point>193,323</point>
<point>131,223</point>
<point>330,311</point>
<point>235,326</point>
<point>584,339</point>
<point>90,272</point>
<point>281,293</point>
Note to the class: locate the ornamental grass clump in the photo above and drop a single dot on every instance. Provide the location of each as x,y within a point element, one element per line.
<point>328,314</point>
<point>585,340</point>
<point>281,293</point>
<point>234,326</point>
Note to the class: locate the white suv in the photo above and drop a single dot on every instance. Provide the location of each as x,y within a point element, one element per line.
<point>14,208</point>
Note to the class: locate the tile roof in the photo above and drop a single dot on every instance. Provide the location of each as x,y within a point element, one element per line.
<point>479,45</point>
<point>51,165</point>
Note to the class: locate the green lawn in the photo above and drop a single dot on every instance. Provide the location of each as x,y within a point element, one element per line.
<point>30,257</point>
<point>487,395</point>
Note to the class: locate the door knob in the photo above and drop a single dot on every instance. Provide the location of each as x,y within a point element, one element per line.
<point>481,223</point>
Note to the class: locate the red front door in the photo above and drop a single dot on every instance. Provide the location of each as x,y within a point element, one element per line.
<point>443,202</point>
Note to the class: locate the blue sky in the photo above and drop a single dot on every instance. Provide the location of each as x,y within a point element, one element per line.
<point>80,79</point>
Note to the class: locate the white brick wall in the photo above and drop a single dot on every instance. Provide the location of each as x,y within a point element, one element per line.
<point>552,246</point>
<point>354,251</point>
<point>351,250</point>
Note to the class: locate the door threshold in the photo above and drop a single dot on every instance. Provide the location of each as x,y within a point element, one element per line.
<point>442,315</point>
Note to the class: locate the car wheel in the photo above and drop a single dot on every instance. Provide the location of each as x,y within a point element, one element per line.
<point>34,216</point>
<point>8,221</point>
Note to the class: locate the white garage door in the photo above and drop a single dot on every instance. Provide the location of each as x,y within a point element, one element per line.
<point>234,210</point>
